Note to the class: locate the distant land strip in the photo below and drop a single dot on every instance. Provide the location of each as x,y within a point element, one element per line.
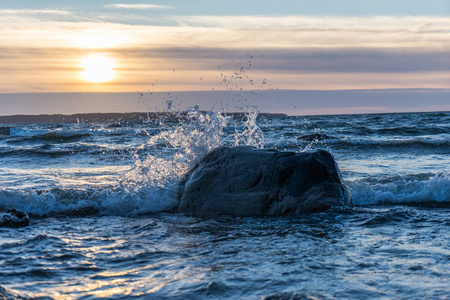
<point>110,117</point>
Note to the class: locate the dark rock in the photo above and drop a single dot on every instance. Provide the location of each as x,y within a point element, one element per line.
<point>245,181</point>
<point>14,218</point>
<point>5,131</point>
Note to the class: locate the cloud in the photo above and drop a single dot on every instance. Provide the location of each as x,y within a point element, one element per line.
<point>299,52</point>
<point>34,12</point>
<point>139,6</point>
<point>284,32</point>
<point>319,69</point>
<point>309,60</point>
<point>375,23</point>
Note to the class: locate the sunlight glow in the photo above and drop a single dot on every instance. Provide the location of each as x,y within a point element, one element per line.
<point>97,68</point>
<point>100,38</point>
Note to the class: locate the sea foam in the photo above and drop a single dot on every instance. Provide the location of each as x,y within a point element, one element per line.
<point>150,185</point>
<point>412,189</point>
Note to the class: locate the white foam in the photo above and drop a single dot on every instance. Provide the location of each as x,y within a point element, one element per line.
<point>151,184</point>
<point>414,190</point>
<point>425,140</point>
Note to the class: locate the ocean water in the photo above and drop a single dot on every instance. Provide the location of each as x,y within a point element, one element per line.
<point>101,199</point>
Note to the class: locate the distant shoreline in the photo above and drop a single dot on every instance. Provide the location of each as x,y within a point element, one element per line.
<point>109,117</point>
<point>290,102</point>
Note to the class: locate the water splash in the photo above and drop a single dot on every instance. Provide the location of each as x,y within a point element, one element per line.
<point>202,133</point>
<point>151,184</point>
<point>179,141</point>
<point>252,134</point>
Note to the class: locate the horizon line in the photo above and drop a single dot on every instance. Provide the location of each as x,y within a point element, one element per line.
<point>247,90</point>
<point>235,113</point>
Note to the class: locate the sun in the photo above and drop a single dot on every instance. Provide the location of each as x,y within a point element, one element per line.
<point>97,68</point>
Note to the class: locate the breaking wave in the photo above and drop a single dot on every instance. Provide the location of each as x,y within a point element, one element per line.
<point>421,189</point>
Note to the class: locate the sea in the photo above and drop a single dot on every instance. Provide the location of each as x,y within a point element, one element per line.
<point>102,200</point>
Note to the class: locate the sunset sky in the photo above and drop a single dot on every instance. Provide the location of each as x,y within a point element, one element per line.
<point>137,46</point>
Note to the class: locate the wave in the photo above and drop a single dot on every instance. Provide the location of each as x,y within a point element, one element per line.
<point>305,142</point>
<point>168,152</point>
<point>150,185</point>
<point>61,137</point>
<point>10,294</point>
<point>47,134</point>
<point>146,195</point>
<point>420,189</point>
<point>436,145</point>
<point>49,150</point>
<point>6,293</point>
<point>73,202</point>
<point>442,140</point>
<point>45,150</point>
<point>397,131</point>
<point>77,133</point>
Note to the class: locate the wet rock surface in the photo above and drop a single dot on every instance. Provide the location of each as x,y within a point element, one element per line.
<point>14,218</point>
<point>245,181</point>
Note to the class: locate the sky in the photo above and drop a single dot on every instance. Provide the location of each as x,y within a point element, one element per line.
<point>176,45</point>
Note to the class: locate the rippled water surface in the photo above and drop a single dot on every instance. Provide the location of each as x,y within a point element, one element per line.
<point>99,193</point>
<point>353,253</point>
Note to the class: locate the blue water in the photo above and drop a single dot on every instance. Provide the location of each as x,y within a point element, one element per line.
<point>100,194</point>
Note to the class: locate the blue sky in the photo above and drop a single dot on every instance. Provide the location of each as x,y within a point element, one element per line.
<point>135,46</point>
<point>261,7</point>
